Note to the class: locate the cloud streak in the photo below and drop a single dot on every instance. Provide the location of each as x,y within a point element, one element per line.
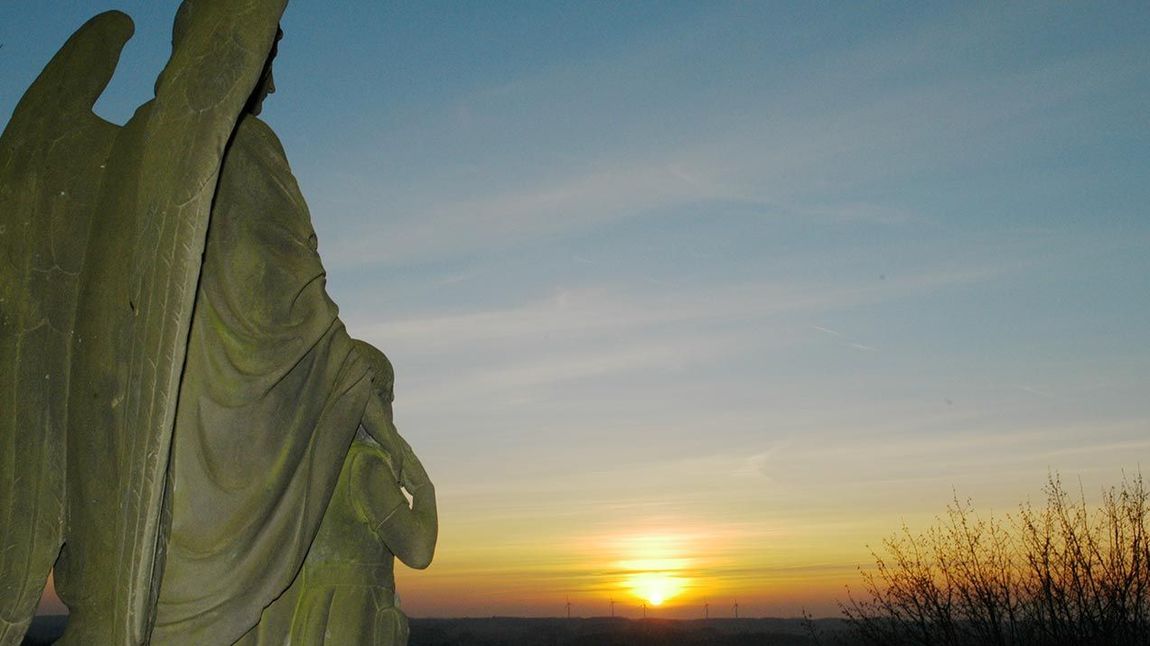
<point>798,157</point>
<point>599,312</point>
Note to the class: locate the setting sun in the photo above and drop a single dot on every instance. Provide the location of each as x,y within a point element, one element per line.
<point>655,587</point>
<point>656,566</point>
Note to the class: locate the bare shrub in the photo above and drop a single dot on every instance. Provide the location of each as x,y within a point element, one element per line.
<point>1064,574</point>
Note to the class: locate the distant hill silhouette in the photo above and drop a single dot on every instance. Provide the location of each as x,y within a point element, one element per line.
<point>608,631</point>
<point>594,631</point>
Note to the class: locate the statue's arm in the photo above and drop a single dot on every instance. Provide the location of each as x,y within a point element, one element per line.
<point>411,533</point>
<point>378,422</point>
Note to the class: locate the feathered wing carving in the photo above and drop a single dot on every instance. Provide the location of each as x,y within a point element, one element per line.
<point>52,156</point>
<point>137,292</point>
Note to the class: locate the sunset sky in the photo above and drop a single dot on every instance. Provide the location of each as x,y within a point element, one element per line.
<point>697,300</point>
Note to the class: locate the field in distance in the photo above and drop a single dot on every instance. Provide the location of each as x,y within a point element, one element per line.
<point>609,631</point>
<point>594,631</point>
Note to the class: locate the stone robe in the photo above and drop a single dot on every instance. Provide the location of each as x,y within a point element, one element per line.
<point>345,594</point>
<point>270,400</point>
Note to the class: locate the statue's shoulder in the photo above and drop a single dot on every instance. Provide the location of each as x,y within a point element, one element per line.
<point>254,136</point>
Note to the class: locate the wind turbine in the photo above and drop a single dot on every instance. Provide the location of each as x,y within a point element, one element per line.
<point>568,607</point>
<point>736,608</point>
<point>612,606</point>
<point>707,610</point>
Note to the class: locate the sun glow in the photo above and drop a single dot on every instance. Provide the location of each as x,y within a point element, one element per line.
<point>655,587</point>
<point>655,567</point>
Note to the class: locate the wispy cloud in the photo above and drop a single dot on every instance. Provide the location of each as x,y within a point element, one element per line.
<point>579,313</point>
<point>1036,392</point>
<point>519,214</point>
<point>844,340</point>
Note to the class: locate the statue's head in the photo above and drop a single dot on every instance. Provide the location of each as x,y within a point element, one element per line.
<point>266,84</point>
<point>383,384</point>
<point>384,381</point>
<point>180,27</point>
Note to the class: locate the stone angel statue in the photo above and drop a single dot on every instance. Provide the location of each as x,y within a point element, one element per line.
<point>181,401</point>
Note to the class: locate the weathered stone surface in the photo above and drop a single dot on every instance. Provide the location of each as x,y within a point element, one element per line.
<point>52,158</point>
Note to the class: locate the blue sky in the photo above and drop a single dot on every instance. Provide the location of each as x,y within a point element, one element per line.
<point>765,278</point>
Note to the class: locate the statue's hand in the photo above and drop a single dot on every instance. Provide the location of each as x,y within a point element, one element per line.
<point>412,474</point>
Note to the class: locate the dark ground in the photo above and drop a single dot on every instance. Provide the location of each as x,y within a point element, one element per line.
<point>596,631</point>
<point>606,631</point>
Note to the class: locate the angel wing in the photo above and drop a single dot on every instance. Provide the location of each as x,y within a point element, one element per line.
<point>137,292</point>
<point>52,156</point>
